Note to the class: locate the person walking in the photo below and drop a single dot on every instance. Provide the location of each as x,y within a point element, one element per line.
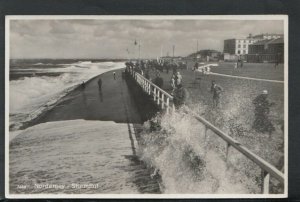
<point>173,83</point>
<point>180,96</point>
<point>262,105</point>
<point>236,65</point>
<point>100,84</point>
<point>196,65</point>
<point>114,73</point>
<point>178,79</point>
<point>216,90</point>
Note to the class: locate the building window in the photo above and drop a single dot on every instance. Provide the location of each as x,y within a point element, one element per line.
<point>244,46</point>
<point>239,52</point>
<point>239,46</point>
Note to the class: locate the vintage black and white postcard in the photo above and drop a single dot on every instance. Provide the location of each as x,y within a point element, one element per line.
<point>146,106</point>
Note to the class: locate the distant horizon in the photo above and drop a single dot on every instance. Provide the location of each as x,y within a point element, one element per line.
<point>68,58</point>
<point>127,38</point>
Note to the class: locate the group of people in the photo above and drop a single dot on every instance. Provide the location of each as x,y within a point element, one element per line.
<point>144,66</point>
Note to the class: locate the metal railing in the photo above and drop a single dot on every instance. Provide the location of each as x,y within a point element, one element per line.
<point>267,169</point>
<point>163,99</point>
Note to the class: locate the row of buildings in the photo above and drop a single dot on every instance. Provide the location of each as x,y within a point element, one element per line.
<point>258,48</point>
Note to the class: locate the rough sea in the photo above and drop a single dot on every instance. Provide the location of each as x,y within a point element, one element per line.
<point>53,157</point>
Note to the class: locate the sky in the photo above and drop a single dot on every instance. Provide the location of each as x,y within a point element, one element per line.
<point>99,39</point>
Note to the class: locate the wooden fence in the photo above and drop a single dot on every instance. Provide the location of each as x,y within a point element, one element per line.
<point>164,100</point>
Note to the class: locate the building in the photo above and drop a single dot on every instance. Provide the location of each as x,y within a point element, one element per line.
<point>240,47</point>
<point>269,50</point>
<point>266,36</point>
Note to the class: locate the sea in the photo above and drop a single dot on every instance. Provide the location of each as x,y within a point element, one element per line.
<point>35,85</point>
<point>51,157</point>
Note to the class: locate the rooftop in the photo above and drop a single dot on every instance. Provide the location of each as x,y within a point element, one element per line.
<point>269,41</point>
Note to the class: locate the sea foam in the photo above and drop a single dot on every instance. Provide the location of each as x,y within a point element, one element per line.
<point>30,96</point>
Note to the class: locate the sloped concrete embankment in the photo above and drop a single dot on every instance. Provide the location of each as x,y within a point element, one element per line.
<point>144,102</point>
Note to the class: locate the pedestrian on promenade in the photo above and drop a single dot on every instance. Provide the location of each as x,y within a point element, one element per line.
<point>180,96</point>
<point>114,75</point>
<point>262,105</point>
<point>83,85</point>
<point>196,66</point>
<point>100,89</point>
<point>158,81</point>
<point>216,90</point>
<point>236,65</point>
<point>100,84</point>
<point>178,78</point>
<point>173,83</point>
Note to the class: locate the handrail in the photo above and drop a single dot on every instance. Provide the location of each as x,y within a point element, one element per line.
<point>152,84</point>
<point>266,167</point>
<point>244,150</point>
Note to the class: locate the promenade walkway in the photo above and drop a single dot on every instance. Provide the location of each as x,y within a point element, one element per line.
<point>87,138</point>
<point>113,104</point>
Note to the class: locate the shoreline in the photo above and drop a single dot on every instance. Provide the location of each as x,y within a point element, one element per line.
<point>61,100</point>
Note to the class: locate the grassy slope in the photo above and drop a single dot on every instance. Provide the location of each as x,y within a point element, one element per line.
<point>236,113</point>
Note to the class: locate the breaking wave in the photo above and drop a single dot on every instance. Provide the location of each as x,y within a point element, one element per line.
<point>187,162</point>
<point>30,96</point>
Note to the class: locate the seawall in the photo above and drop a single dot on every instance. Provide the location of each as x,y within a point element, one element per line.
<point>144,102</point>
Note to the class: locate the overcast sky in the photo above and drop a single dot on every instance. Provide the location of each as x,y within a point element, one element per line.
<point>115,38</point>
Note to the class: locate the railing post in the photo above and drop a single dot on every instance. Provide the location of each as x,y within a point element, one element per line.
<point>149,88</point>
<point>168,101</point>
<point>154,95</point>
<point>265,182</point>
<point>163,101</point>
<point>205,133</point>
<point>205,139</point>
<point>158,101</point>
<point>226,153</point>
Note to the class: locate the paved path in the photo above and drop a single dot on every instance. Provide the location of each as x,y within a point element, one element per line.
<point>113,104</point>
<point>249,78</point>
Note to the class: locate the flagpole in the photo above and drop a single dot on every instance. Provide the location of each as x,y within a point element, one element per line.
<point>139,49</point>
